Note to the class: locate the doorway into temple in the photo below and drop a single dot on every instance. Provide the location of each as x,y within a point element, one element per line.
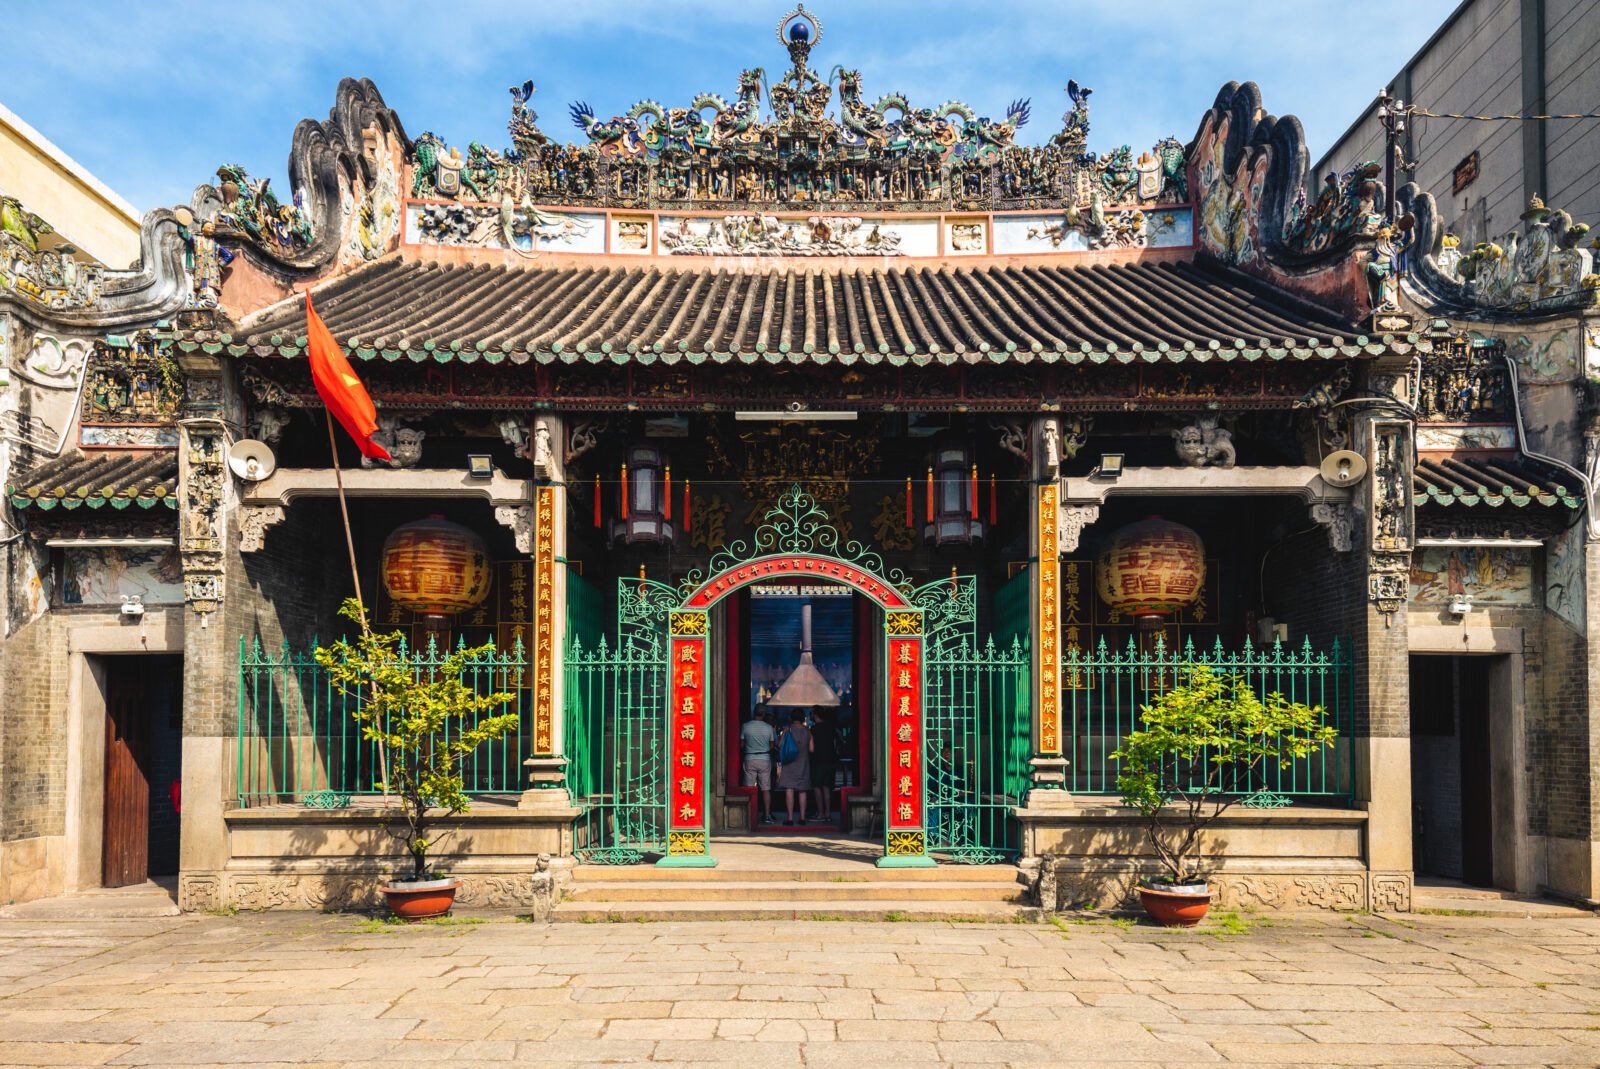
<point>143,767</point>
<point>802,667</point>
<point>1453,775</point>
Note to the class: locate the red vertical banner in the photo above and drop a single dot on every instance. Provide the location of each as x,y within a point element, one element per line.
<point>544,620</point>
<point>904,786</point>
<point>1048,602</point>
<point>688,786</point>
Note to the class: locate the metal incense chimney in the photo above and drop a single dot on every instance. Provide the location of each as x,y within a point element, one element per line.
<point>805,686</point>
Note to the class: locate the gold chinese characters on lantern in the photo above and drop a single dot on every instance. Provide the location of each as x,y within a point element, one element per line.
<point>435,567</point>
<point>1151,568</point>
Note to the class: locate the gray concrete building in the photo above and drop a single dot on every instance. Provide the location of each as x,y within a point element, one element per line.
<point>1495,57</point>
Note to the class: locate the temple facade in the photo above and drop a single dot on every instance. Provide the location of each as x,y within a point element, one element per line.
<point>984,442</point>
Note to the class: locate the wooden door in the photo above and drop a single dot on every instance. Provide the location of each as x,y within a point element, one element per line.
<point>125,849</point>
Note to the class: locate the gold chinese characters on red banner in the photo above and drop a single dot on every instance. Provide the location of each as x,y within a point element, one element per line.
<point>544,619</point>
<point>1049,601</point>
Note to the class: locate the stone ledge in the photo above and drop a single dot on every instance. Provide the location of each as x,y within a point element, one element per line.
<point>1289,816</point>
<point>1332,884</point>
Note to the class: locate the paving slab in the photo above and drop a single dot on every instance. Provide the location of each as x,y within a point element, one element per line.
<point>314,990</point>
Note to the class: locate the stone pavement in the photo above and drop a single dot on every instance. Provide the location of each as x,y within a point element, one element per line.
<point>328,990</point>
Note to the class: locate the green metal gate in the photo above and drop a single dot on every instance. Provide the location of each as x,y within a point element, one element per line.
<point>978,728</point>
<point>616,731</point>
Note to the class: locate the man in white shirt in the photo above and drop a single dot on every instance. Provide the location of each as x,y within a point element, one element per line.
<point>756,742</point>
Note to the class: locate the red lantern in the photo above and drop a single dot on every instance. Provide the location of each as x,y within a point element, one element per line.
<point>435,567</point>
<point>1151,568</point>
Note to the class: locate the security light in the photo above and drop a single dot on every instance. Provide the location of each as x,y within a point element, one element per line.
<point>1110,467</point>
<point>480,466</point>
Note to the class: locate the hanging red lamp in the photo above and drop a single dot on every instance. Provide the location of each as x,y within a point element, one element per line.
<point>930,493</point>
<point>622,496</point>
<point>974,494</point>
<point>598,519</point>
<point>686,504</point>
<point>911,519</point>
<point>666,495</point>
<point>994,505</point>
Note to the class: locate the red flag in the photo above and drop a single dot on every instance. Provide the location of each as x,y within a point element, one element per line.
<point>341,391</point>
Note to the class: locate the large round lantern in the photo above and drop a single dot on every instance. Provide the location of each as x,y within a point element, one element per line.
<point>435,567</point>
<point>1151,568</point>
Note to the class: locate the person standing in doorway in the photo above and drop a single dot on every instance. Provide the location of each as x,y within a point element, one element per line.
<point>824,762</point>
<point>794,765</point>
<point>757,739</point>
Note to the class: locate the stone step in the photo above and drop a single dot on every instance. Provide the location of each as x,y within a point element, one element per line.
<point>1456,903</point>
<point>856,873</point>
<point>794,891</point>
<point>761,909</point>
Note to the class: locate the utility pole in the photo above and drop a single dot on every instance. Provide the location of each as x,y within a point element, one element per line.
<point>1392,116</point>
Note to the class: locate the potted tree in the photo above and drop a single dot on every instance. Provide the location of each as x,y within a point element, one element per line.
<point>424,721</point>
<point>1199,741</point>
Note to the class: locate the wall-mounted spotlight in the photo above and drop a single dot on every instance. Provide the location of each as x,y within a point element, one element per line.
<point>480,466</point>
<point>1110,467</point>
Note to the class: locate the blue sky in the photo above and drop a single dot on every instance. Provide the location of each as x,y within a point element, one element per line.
<point>151,97</point>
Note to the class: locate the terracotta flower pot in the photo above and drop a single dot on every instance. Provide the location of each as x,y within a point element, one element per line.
<point>1180,905</point>
<point>418,900</point>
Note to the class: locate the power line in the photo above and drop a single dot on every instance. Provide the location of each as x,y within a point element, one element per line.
<point>1424,113</point>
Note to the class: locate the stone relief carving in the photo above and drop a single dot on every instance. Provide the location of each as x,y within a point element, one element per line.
<point>264,892</point>
<point>1388,582</point>
<point>520,518</point>
<point>1205,444</point>
<point>268,425</point>
<point>203,489</point>
<point>1391,893</point>
<point>199,894</point>
<point>1339,521</point>
<point>1070,522</point>
<point>544,461</point>
<point>253,524</point>
<point>1343,893</point>
<point>514,432</point>
<point>403,443</point>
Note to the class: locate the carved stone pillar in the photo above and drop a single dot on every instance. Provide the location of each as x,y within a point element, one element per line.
<point>541,529</point>
<point>203,483</point>
<point>1044,600</point>
<point>1380,646</point>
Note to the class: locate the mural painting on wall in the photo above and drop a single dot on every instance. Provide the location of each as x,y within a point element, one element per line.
<point>1488,575</point>
<point>130,398</point>
<point>713,150</point>
<point>104,576</point>
<point>1564,578</point>
<point>817,235</point>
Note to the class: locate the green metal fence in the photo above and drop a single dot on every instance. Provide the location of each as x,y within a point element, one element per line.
<point>1103,691</point>
<point>617,748</point>
<point>299,744</point>
<point>979,741</point>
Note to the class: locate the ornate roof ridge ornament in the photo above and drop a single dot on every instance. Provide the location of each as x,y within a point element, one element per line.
<point>887,154</point>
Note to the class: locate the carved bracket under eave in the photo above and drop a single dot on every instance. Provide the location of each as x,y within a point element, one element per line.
<point>253,524</point>
<point>1339,521</point>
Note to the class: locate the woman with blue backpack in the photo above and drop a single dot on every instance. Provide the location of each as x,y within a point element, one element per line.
<point>794,765</point>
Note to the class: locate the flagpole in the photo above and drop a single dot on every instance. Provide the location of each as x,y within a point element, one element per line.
<point>355,578</point>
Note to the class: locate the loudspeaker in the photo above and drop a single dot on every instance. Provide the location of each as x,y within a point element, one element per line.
<point>1344,468</point>
<point>251,460</point>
